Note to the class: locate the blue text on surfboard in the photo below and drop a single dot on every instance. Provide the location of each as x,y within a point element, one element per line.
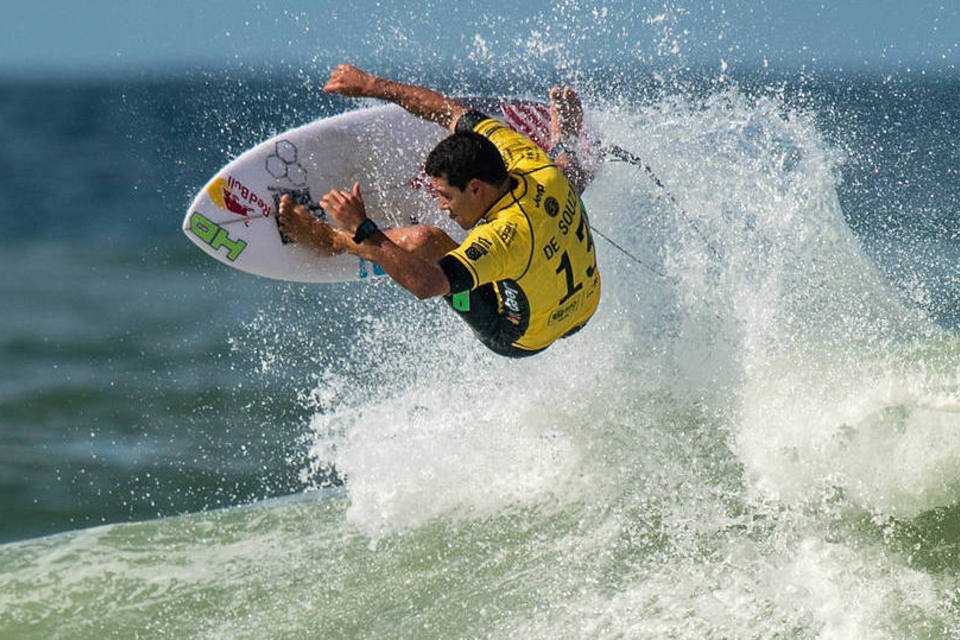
<point>364,272</point>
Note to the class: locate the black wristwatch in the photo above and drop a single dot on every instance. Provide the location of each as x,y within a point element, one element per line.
<point>366,229</point>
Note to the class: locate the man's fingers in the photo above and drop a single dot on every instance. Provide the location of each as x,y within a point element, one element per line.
<point>338,198</point>
<point>346,80</point>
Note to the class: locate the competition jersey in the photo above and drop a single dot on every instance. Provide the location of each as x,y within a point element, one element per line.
<point>534,243</point>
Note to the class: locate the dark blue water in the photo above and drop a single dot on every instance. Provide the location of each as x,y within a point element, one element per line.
<point>115,338</point>
<point>131,381</point>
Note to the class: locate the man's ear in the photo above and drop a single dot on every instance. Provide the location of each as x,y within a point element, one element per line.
<point>474,186</point>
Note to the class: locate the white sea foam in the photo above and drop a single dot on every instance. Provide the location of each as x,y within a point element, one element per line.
<point>747,360</point>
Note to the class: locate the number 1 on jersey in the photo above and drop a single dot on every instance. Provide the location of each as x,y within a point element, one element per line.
<point>567,268</point>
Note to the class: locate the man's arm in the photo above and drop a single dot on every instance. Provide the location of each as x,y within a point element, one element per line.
<point>420,101</point>
<point>422,278</point>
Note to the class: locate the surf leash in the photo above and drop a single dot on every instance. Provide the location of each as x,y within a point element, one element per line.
<point>640,262</point>
<point>619,154</point>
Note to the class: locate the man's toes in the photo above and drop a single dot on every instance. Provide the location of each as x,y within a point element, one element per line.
<point>571,97</point>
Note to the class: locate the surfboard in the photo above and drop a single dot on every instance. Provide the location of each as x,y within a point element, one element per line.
<point>233,218</point>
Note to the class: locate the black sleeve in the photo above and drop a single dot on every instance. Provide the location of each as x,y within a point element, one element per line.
<point>469,120</point>
<point>459,276</point>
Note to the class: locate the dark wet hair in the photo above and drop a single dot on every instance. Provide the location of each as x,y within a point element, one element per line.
<point>463,156</point>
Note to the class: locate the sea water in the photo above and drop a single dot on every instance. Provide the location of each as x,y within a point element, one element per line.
<point>757,436</point>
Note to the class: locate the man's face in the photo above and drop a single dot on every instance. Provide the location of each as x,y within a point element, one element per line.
<point>464,207</point>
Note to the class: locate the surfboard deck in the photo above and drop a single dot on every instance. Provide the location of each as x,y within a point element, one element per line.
<point>234,217</point>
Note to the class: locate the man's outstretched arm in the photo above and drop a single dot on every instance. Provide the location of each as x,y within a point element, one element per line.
<point>425,103</point>
<point>421,277</point>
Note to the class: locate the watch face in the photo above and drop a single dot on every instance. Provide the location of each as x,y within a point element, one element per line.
<point>366,229</point>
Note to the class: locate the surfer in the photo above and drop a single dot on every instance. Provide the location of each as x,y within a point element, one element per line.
<point>526,275</point>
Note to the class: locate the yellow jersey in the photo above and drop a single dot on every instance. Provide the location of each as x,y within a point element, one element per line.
<point>534,245</point>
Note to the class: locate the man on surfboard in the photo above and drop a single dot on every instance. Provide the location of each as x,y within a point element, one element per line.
<point>525,275</point>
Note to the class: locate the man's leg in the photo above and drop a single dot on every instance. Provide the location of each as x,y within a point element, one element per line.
<point>566,122</point>
<point>566,116</point>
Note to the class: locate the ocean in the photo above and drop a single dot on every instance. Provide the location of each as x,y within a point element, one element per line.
<point>757,436</point>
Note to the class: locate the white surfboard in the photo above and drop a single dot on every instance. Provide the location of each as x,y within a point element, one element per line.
<point>234,217</point>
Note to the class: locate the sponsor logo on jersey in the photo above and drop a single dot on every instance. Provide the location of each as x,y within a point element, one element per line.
<point>551,206</point>
<point>508,233</point>
<point>511,296</point>
<point>561,314</point>
<point>479,248</point>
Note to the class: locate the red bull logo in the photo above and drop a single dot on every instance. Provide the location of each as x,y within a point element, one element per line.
<point>232,195</point>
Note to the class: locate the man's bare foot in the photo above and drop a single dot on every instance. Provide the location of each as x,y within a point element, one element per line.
<point>566,115</point>
<point>301,226</point>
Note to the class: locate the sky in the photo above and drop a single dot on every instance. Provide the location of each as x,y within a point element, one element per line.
<point>104,37</point>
